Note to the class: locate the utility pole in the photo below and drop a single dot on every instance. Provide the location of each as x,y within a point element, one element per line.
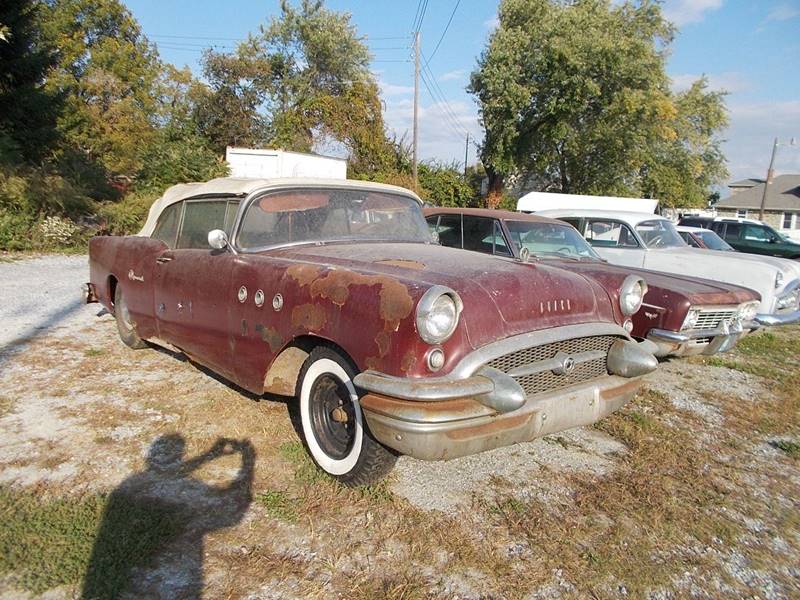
<point>769,179</point>
<point>466,155</point>
<point>416,107</point>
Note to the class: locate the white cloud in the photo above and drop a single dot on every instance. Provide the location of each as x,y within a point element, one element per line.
<point>453,75</point>
<point>683,12</point>
<point>753,127</point>
<point>782,12</point>
<point>492,23</point>
<point>441,134</point>
<point>728,81</point>
<point>390,89</point>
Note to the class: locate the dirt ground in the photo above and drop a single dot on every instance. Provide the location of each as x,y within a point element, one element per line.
<point>136,473</point>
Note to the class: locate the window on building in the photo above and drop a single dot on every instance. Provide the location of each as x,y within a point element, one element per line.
<point>789,220</point>
<point>741,213</point>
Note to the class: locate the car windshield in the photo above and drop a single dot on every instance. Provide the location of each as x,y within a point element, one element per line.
<point>543,239</point>
<point>659,233</point>
<point>713,241</point>
<point>331,215</point>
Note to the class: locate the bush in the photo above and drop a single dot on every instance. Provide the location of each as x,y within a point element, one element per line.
<point>57,231</point>
<point>15,230</point>
<point>127,216</point>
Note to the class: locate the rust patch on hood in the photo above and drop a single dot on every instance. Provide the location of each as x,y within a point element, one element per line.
<point>303,274</point>
<point>271,336</point>
<point>399,262</point>
<point>383,340</point>
<point>396,303</point>
<point>308,316</point>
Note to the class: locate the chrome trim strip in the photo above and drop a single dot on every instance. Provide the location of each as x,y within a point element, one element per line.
<point>475,360</point>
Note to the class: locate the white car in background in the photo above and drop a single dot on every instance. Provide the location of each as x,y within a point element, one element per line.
<point>649,241</point>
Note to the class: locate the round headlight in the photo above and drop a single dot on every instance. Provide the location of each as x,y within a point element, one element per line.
<point>691,319</point>
<point>631,294</point>
<point>778,279</point>
<point>437,314</point>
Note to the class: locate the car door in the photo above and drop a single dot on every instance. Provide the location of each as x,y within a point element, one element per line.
<point>614,241</point>
<point>191,304</point>
<point>758,239</point>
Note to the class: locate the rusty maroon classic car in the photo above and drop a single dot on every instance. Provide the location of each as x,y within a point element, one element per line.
<point>332,292</point>
<point>681,316</point>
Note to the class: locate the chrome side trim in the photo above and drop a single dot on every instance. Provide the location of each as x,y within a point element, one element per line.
<point>475,360</point>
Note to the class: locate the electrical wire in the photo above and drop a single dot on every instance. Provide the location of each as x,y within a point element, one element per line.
<point>446,27</point>
<point>449,117</point>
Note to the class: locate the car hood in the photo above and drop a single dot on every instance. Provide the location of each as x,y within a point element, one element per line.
<point>501,297</point>
<point>663,288</point>
<point>725,267</point>
<point>789,268</point>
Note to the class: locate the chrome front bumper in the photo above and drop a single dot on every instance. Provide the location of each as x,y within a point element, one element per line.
<point>459,427</point>
<point>685,343</point>
<point>477,407</point>
<point>773,319</point>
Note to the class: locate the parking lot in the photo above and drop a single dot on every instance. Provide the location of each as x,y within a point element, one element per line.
<point>693,490</point>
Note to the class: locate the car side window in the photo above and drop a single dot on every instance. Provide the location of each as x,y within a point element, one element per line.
<point>610,234</point>
<point>482,234</point>
<point>576,223</point>
<point>732,231</point>
<point>167,226</point>
<point>689,239</point>
<point>199,218</point>
<point>756,233</point>
<point>449,230</point>
<point>432,222</point>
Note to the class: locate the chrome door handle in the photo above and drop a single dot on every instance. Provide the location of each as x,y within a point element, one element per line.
<point>163,259</point>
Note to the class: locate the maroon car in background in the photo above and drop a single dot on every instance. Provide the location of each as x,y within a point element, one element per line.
<point>332,291</point>
<point>680,315</point>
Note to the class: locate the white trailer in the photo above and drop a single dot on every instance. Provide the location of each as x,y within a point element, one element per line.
<point>270,164</point>
<point>535,201</point>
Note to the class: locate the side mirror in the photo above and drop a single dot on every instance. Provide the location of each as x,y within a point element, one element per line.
<point>217,239</point>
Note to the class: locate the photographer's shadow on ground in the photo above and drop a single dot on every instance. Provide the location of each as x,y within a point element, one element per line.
<point>150,540</point>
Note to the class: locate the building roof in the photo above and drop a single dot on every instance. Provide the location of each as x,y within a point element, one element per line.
<point>745,183</point>
<point>782,194</point>
<point>629,217</point>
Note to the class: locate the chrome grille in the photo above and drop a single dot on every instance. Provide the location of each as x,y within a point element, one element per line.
<point>711,319</point>
<point>546,381</point>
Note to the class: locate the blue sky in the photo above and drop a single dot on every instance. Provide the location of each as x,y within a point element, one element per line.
<point>749,48</point>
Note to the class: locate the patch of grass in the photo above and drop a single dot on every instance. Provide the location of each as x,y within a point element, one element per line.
<point>47,542</point>
<point>305,472</point>
<point>788,446</point>
<point>625,526</point>
<point>279,505</point>
<point>93,352</point>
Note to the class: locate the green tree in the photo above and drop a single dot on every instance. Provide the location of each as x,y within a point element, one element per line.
<point>445,185</point>
<point>27,111</point>
<point>576,95</point>
<point>301,82</point>
<point>108,73</point>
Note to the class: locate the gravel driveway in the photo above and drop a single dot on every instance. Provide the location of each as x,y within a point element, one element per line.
<point>41,294</point>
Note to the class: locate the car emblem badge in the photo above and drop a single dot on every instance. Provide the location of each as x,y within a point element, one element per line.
<point>566,364</point>
<point>134,277</point>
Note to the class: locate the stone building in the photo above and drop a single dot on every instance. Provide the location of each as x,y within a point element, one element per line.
<point>782,206</point>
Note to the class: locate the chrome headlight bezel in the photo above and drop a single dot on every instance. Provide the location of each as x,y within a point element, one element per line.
<point>748,311</point>
<point>633,288</point>
<point>692,315</point>
<point>433,301</point>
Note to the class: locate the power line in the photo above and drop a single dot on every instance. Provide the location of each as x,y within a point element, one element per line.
<point>422,7</point>
<point>446,27</point>
<point>446,107</point>
<point>449,118</point>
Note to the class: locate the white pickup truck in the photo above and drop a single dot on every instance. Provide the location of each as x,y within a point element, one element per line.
<point>646,240</point>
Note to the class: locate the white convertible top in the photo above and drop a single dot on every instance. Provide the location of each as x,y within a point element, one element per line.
<point>243,186</point>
